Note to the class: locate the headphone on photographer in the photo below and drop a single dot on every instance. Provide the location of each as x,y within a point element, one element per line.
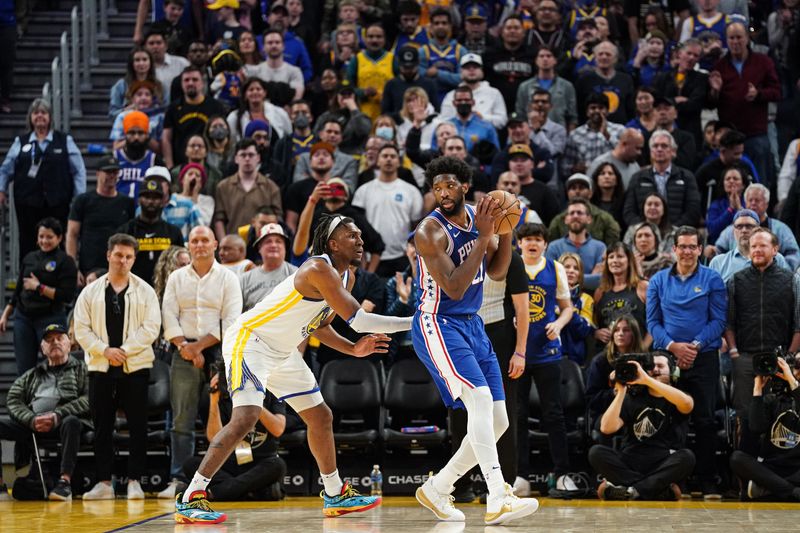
<point>674,372</point>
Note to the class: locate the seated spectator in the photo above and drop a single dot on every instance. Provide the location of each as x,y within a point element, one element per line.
<point>392,207</point>
<point>226,25</point>
<point>605,78</point>
<point>272,245</point>
<point>370,71</point>
<point>756,198</point>
<point>602,225</point>
<point>295,52</point>
<point>645,120</point>
<point>402,298</point>
<point>250,52</point>
<point>655,212</point>
<point>578,240</point>
<point>177,35</point>
<point>592,139</point>
<point>608,191</point>
<point>354,126</point>
<point>538,196</point>
<point>393,99</point>
<point>727,200</point>
<point>456,147</point>
<point>141,97</point>
<point>685,150</point>
<point>274,68</point>
<point>621,292</point>
<point>239,196</point>
<point>787,177</point>
<point>543,126</point>
<point>140,67</point>
<point>256,474</point>
<point>232,255</point>
<point>416,110</point>
<point>134,154</point>
<point>625,337</point>
<point>193,180</point>
<point>117,319</point>
<point>344,166</point>
<point>489,104</point>
<point>562,105</point>
<point>509,182</point>
<point>775,475</point>
<point>439,133</point>
<point>50,400</point>
<point>220,145</point>
<point>646,243</point>
<point>198,56</point>
<point>672,182</point>
<point>581,326</point>
<point>288,149</point>
<point>45,286</point>
<point>519,132</point>
<point>730,153</point>
<point>153,233</point>
<point>263,134</point>
<point>651,59</point>
<point>440,58</point>
<point>255,105</point>
<point>469,125</point>
<point>653,458</point>
<point>93,218</point>
<point>624,156</point>
<point>167,66</point>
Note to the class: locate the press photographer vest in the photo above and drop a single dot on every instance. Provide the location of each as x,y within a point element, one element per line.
<point>53,185</point>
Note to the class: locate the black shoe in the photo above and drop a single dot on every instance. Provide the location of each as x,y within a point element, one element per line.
<point>610,492</point>
<point>276,492</point>
<point>465,495</point>
<point>62,491</point>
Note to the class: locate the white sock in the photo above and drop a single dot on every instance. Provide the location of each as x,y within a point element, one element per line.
<point>198,483</point>
<point>333,483</point>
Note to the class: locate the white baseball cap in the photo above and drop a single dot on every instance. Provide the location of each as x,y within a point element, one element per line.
<point>471,58</point>
<point>158,172</point>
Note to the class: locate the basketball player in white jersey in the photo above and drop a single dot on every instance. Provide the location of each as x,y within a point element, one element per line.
<point>260,352</point>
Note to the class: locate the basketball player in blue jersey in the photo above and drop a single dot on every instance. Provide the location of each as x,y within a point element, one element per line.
<point>260,353</point>
<point>455,250</point>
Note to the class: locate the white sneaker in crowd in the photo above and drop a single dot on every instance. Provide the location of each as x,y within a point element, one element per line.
<point>522,487</point>
<point>170,491</point>
<point>135,491</point>
<point>101,491</point>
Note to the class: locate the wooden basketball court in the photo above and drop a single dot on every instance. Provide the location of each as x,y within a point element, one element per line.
<point>398,515</point>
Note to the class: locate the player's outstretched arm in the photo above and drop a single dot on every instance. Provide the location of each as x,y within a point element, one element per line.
<point>367,345</point>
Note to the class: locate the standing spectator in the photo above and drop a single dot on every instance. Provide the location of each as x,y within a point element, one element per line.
<point>168,66</point>
<point>602,225</point>
<point>392,207</point>
<point>741,85</point>
<point>672,182</point>
<point>153,234</point>
<point>624,156</point>
<point>578,240</point>
<point>93,218</point>
<point>593,138</point>
<point>563,104</point>
<point>45,286</point>
<point>605,79</point>
<point>116,322</point>
<point>710,176</point>
<point>295,52</point>
<point>172,259</point>
<point>344,166</point>
<point>51,400</point>
<point>756,198</point>
<point>238,197</point>
<point>187,116</point>
<point>541,124</point>
<point>547,30</point>
<point>140,67</point>
<point>394,92</point>
<point>469,125</point>
<point>511,62</point>
<point>371,70</point>
<point>759,294</point>
<point>8,41</point>
<point>258,282</point>
<point>47,170</point>
<point>745,221</point>
<point>440,59</point>
<point>134,156</point>
<point>489,104</point>
<point>687,87</point>
<point>275,68</point>
<point>201,300</point>
<point>686,307</point>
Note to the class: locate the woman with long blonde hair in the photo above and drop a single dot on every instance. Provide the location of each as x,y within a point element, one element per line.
<point>169,261</point>
<point>581,326</point>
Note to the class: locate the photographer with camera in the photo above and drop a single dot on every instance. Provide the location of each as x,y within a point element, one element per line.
<point>776,474</point>
<point>759,294</point>
<point>686,316</point>
<point>254,471</point>
<point>652,459</point>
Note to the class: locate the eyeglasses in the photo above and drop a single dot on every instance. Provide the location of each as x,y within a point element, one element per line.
<point>115,304</point>
<point>744,226</point>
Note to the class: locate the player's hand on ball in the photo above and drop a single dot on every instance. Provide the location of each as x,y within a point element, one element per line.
<point>370,344</point>
<point>485,215</point>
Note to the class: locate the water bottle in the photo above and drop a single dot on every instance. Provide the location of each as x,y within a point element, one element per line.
<point>376,481</point>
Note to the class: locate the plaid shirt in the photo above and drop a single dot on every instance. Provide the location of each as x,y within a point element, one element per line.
<point>584,145</point>
<point>183,213</point>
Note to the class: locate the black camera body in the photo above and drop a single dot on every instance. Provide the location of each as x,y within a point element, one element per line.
<point>624,369</point>
<point>766,363</point>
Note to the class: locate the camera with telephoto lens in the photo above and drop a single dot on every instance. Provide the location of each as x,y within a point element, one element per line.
<point>624,369</point>
<point>766,363</point>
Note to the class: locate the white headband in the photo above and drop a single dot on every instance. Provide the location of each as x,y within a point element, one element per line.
<point>334,225</point>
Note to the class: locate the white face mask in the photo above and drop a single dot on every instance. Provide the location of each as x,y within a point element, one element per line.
<point>385,132</point>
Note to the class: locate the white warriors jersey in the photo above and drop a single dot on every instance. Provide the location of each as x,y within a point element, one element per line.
<point>284,318</point>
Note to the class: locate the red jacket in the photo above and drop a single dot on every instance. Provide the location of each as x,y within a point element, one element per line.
<point>749,117</point>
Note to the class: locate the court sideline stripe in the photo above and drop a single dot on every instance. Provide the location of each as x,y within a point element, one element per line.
<point>140,522</point>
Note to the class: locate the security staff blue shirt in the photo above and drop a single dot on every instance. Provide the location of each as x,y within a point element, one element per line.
<point>687,309</point>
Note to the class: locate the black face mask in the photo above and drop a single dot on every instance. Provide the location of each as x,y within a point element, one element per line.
<point>464,110</point>
<point>301,121</point>
<point>135,149</point>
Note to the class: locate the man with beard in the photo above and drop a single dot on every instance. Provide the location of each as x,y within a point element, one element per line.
<point>580,58</point>
<point>187,116</point>
<point>476,37</point>
<point>321,161</point>
<point>578,240</point>
<point>289,148</point>
<point>440,59</point>
<point>153,234</point>
<point>393,207</point>
<point>167,66</point>
<point>198,57</point>
<point>563,107</point>
<point>261,133</point>
<point>604,78</point>
<point>511,62</point>
<point>344,166</point>
<point>411,33</point>
<point>295,52</point>
<point>457,249</point>
<point>371,71</point>
<point>653,458</point>
<point>601,225</point>
<point>538,195</point>
<point>134,158</point>
<point>593,138</point>
<point>275,68</point>
<point>547,30</point>
<point>394,91</point>
<point>470,126</point>
<point>489,104</point>
<point>519,132</point>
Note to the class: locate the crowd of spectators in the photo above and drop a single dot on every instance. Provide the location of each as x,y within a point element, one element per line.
<point>643,140</point>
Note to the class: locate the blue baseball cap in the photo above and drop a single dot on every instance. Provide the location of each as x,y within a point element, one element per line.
<point>476,12</point>
<point>746,213</point>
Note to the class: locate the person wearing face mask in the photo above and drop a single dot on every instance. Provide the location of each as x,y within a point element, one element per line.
<point>489,104</point>
<point>135,157</point>
<point>469,125</point>
<point>408,76</point>
<point>288,149</point>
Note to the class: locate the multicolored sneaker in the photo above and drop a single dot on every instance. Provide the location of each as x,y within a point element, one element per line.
<point>197,510</point>
<point>348,501</point>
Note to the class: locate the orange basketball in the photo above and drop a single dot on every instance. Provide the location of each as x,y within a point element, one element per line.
<point>510,203</point>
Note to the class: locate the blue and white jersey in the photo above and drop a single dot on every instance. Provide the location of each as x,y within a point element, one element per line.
<point>132,173</point>
<point>432,298</point>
